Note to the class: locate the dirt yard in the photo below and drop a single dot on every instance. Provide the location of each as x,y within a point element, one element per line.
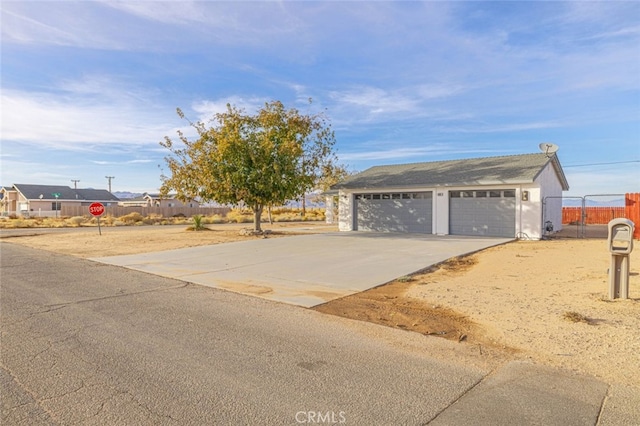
<point>545,301</point>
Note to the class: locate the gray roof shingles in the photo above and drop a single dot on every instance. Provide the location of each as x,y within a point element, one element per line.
<point>513,169</point>
<point>33,192</point>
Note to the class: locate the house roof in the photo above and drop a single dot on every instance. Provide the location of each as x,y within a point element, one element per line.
<point>33,192</point>
<point>512,169</point>
<point>160,196</point>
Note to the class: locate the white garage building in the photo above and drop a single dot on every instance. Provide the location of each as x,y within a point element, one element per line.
<point>509,196</point>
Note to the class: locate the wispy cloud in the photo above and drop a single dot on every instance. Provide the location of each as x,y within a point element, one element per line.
<point>104,163</point>
<point>206,109</point>
<point>70,23</point>
<point>25,29</point>
<point>504,128</point>
<point>374,104</point>
<point>82,114</point>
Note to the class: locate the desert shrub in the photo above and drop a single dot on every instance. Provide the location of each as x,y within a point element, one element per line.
<point>52,222</point>
<point>216,218</point>
<point>118,222</point>
<point>288,214</point>
<point>9,224</point>
<point>75,221</point>
<point>107,220</point>
<point>576,317</point>
<point>132,217</point>
<point>239,216</point>
<point>153,219</point>
<point>316,214</point>
<point>148,220</point>
<point>285,217</point>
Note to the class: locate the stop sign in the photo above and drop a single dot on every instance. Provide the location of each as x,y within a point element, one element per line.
<point>96,209</point>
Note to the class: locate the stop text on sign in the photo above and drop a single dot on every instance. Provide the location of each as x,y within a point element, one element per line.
<point>96,209</point>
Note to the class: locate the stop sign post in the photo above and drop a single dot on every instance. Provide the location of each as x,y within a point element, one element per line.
<point>97,210</point>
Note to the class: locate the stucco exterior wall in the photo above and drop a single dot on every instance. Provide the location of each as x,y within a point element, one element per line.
<point>345,211</point>
<point>551,196</point>
<point>441,211</point>
<point>528,211</point>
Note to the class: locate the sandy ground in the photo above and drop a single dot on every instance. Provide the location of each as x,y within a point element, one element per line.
<point>545,301</point>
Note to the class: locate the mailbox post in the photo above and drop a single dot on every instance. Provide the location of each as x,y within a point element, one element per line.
<point>620,240</point>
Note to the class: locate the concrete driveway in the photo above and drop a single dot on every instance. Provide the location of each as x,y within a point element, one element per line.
<point>305,270</point>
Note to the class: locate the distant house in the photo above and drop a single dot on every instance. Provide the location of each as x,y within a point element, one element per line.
<point>48,200</point>
<point>155,200</point>
<point>510,196</point>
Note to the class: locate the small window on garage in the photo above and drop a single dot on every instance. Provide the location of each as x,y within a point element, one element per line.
<point>358,197</point>
<point>386,196</point>
<point>494,194</point>
<point>395,196</point>
<point>467,194</point>
<point>481,194</point>
<point>510,193</point>
<point>376,196</point>
<point>406,196</point>
<point>454,194</point>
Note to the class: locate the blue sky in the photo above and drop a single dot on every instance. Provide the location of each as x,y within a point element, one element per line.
<point>90,88</point>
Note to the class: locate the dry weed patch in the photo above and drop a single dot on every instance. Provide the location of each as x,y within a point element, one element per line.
<point>576,317</point>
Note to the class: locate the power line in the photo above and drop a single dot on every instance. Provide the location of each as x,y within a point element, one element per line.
<point>602,164</point>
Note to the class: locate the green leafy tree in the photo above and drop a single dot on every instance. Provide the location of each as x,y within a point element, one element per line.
<point>333,174</point>
<point>259,160</point>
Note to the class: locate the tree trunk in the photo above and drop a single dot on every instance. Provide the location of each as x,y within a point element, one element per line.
<point>269,214</point>
<point>304,205</point>
<point>257,214</point>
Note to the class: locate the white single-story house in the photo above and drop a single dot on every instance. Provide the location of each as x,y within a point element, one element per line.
<point>516,196</point>
<point>156,200</point>
<point>47,200</point>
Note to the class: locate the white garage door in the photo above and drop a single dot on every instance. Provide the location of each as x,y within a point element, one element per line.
<point>488,213</point>
<point>394,212</point>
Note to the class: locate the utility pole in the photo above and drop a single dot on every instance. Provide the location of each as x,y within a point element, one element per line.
<point>109,178</point>
<point>75,183</point>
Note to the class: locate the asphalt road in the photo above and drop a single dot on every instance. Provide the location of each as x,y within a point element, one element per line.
<point>88,343</point>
